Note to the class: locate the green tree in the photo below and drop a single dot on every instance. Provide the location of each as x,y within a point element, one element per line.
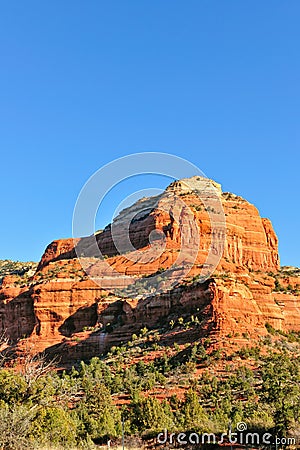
<point>54,425</point>
<point>13,387</point>
<point>193,414</point>
<point>281,389</point>
<point>151,414</point>
<point>97,413</point>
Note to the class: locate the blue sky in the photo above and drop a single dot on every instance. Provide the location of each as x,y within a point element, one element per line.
<point>82,83</point>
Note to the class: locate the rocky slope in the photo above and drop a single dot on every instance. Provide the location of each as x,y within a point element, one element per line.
<point>25,269</point>
<point>76,313</point>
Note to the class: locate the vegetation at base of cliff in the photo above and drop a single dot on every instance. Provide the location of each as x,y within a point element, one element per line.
<point>8,267</point>
<point>85,406</point>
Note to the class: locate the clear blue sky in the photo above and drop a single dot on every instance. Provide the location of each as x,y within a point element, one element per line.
<point>84,82</point>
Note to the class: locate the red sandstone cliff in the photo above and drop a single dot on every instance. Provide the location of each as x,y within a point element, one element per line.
<point>60,308</point>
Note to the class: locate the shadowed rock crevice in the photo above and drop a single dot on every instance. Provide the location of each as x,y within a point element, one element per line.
<point>86,316</point>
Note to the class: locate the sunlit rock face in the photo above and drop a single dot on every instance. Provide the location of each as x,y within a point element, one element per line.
<point>72,310</point>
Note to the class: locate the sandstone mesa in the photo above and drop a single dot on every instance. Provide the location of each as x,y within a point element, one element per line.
<point>58,308</point>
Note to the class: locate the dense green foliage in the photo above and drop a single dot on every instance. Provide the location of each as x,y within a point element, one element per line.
<point>82,406</point>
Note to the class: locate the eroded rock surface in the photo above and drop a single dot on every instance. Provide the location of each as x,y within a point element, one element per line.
<point>61,309</point>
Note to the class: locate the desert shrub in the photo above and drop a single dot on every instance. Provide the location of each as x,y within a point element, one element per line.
<point>151,414</point>
<point>56,426</point>
<point>15,424</point>
<point>13,387</point>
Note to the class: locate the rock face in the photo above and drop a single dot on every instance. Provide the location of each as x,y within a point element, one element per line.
<point>61,309</point>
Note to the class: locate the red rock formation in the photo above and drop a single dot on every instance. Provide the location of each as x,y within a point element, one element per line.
<point>246,290</point>
<point>57,249</point>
